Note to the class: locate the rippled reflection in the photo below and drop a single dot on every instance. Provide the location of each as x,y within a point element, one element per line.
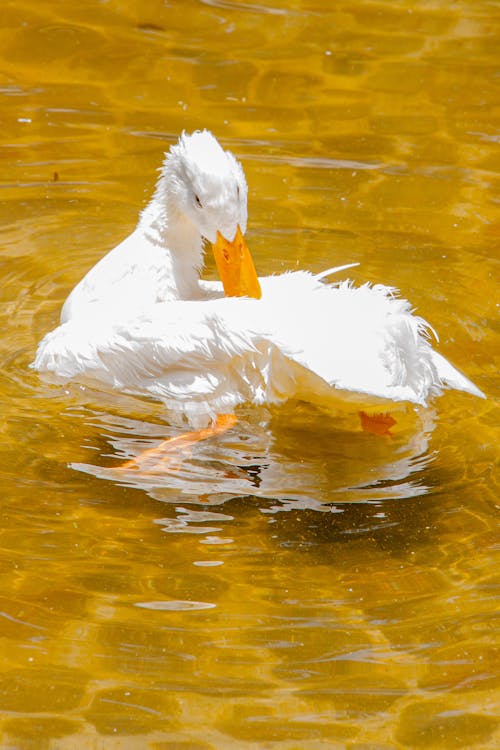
<point>294,456</point>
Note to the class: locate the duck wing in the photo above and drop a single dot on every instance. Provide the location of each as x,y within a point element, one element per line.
<point>201,358</point>
<point>363,339</point>
<point>304,337</point>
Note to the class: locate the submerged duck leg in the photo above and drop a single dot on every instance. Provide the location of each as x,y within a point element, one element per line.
<point>170,451</point>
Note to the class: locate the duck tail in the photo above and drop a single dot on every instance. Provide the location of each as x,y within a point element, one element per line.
<point>451,377</point>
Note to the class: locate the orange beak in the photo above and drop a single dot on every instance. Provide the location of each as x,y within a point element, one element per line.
<point>235,266</point>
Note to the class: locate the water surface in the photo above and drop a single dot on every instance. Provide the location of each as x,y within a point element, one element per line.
<point>297,582</point>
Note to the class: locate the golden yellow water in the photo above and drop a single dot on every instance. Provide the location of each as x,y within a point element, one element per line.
<point>297,583</point>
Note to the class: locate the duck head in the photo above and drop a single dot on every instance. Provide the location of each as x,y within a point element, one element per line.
<point>207,185</point>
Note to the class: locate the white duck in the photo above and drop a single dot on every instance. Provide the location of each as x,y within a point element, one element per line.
<point>143,322</point>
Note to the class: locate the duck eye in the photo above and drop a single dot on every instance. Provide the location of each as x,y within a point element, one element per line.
<point>198,202</point>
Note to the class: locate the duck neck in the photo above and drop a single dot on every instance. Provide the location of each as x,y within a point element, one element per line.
<point>177,239</point>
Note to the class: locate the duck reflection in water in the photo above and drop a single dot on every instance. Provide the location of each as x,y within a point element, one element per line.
<point>287,457</point>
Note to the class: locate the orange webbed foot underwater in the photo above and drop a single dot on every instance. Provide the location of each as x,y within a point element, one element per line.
<point>169,453</point>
